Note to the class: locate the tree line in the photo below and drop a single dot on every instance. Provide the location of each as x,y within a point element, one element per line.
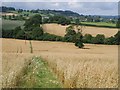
<point>33,31</point>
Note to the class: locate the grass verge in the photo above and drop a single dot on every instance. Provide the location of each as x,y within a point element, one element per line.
<point>38,75</point>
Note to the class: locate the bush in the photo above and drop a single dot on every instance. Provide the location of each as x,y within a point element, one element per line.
<point>70,34</point>
<point>87,38</point>
<point>117,38</point>
<point>79,44</point>
<point>21,35</point>
<point>7,33</point>
<point>16,30</point>
<point>78,40</point>
<point>118,23</point>
<point>50,37</point>
<point>99,39</point>
<point>36,33</point>
<point>109,41</point>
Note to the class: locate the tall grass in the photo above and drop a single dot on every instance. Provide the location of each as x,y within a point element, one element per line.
<point>85,73</point>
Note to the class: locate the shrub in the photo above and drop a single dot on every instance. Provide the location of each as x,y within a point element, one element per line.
<point>117,38</point>
<point>87,38</point>
<point>7,33</point>
<point>16,30</point>
<point>78,40</point>
<point>109,41</point>
<point>118,23</point>
<point>36,32</point>
<point>50,37</point>
<point>99,39</point>
<point>79,44</point>
<point>21,35</point>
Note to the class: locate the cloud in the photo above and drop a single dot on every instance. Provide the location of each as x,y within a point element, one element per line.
<point>92,8</point>
<point>60,0</point>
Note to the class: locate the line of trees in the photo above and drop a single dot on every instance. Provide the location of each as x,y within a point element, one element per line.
<point>33,31</point>
<point>57,19</point>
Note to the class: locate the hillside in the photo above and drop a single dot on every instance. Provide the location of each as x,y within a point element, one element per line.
<point>43,12</point>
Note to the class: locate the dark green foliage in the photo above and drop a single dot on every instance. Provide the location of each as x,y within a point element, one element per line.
<point>99,39</point>
<point>63,21</point>
<point>50,37</point>
<point>21,34</point>
<point>87,38</point>
<point>34,21</point>
<point>6,9</point>
<point>10,17</point>
<point>118,23</point>
<point>59,19</point>
<point>45,20</point>
<point>16,30</point>
<point>7,33</point>
<point>79,44</point>
<point>109,41</point>
<point>20,10</point>
<point>117,38</point>
<point>77,21</point>
<point>79,41</point>
<point>70,34</point>
<point>36,33</point>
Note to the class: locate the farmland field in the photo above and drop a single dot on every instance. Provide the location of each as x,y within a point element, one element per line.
<point>60,30</point>
<point>11,24</point>
<point>95,66</point>
<point>100,24</point>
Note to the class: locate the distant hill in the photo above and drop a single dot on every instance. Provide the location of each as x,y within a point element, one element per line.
<point>60,12</point>
<point>44,12</point>
<point>6,9</point>
<point>66,13</point>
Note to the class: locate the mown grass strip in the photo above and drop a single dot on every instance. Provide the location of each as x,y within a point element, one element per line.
<point>38,75</point>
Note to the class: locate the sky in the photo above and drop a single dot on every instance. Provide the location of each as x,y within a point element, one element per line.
<point>85,8</point>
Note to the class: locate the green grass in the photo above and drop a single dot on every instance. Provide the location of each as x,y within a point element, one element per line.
<point>11,24</point>
<point>38,75</point>
<point>100,24</point>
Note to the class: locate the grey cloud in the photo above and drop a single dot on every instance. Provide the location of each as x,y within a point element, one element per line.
<point>92,8</point>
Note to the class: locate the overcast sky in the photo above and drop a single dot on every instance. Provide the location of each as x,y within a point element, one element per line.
<point>86,8</point>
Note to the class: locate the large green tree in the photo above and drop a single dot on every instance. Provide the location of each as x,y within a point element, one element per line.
<point>32,22</point>
<point>79,40</point>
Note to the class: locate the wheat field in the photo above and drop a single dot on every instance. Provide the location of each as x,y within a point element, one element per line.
<point>60,30</point>
<point>95,66</point>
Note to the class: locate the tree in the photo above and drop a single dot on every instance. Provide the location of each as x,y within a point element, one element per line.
<point>63,21</point>
<point>77,22</point>
<point>70,34</point>
<point>87,38</point>
<point>118,23</point>
<point>34,21</point>
<point>37,32</point>
<point>16,30</point>
<point>13,16</point>
<point>10,17</point>
<point>78,41</point>
<point>110,40</point>
<point>45,20</point>
<point>21,34</point>
<point>99,39</point>
<point>117,38</point>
